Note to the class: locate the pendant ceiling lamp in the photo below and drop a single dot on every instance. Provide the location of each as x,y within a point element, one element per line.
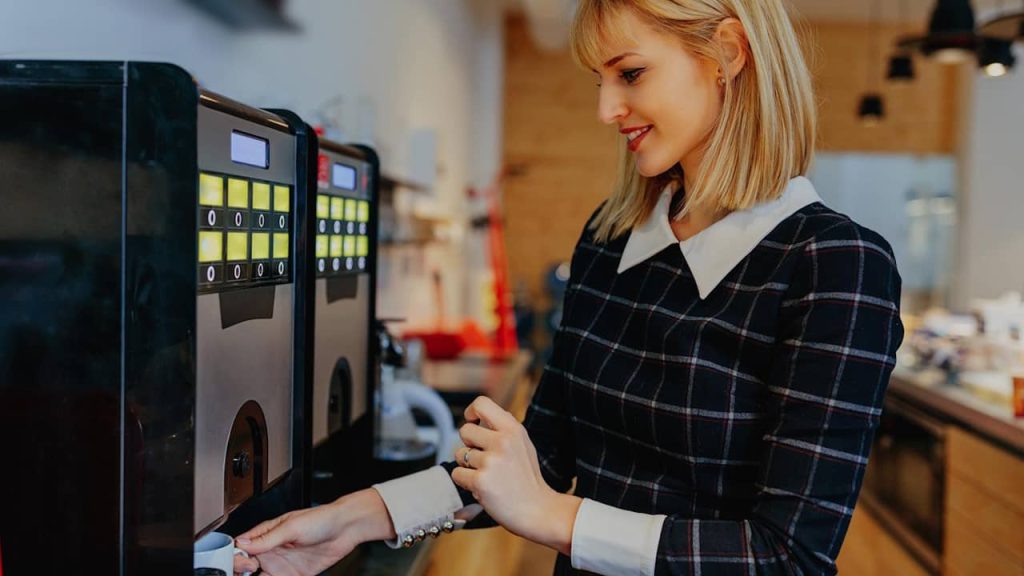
<point>901,63</point>
<point>995,57</point>
<point>951,36</point>
<point>872,107</point>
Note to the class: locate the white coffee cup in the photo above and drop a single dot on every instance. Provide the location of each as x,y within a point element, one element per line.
<point>216,550</point>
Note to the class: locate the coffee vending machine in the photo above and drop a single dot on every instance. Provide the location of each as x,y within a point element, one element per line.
<point>345,370</point>
<point>154,367</point>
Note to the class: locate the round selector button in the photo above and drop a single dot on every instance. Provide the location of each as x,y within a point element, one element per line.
<point>283,222</point>
<point>323,226</point>
<point>337,227</point>
<point>237,271</point>
<point>351,228</point>
<point>321,265</point>
<point>336,264</point>
<point>211,217</point>
<point>211,273</point>
<point>262,220</point>
<point>260,270</point>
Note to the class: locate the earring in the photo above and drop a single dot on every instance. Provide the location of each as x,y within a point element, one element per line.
<point>721,81</point>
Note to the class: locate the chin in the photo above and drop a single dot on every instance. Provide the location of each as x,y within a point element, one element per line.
<point>650,167</point>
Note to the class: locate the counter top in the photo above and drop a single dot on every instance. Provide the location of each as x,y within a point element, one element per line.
<point>461,380</point>
<point>957,404</point>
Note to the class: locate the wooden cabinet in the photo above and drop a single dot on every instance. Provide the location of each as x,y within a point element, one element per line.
<point>870,550</point>
<point>984,526</point>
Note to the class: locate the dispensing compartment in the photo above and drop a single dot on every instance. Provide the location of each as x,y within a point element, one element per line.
<point>244,307</point>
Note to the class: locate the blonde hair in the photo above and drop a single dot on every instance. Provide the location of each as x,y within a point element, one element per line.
<point>765,133</point>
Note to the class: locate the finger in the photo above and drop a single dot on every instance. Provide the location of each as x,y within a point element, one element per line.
<point>468,457</point>
<point>279,535</point>
<point>243,565</point>
<point>476,436</point>
<point>465,478</point>
<point>485,410</point>
<point>259,530</point>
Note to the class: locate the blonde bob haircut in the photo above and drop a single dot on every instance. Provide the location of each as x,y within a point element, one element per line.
<point>765,133</point>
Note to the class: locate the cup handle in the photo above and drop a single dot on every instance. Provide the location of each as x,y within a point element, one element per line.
<point>243,553</point>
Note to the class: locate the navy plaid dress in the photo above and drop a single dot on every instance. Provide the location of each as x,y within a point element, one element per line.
<point>745,417</point>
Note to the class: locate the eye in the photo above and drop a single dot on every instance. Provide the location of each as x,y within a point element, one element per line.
<point>632,75</point>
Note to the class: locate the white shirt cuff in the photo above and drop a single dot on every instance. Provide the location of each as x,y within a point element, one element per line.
<point>421,504</point>
<point>609,540</point>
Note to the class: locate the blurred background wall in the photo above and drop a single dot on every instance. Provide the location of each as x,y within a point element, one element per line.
<point>419,79</point>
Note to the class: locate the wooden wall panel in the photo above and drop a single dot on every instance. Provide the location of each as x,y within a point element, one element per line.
<point>563,159</point>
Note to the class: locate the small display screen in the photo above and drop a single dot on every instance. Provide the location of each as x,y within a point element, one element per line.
<point>250,150</point>
<point>343,177</point>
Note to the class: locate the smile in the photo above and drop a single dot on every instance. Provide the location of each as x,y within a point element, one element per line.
<point>634,137</point>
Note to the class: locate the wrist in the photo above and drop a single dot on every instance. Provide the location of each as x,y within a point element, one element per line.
<point>365,516</point>
<point>556,519</point>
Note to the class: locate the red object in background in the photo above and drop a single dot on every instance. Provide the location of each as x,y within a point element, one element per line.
<point>439,345</point>
<point>505,342</point>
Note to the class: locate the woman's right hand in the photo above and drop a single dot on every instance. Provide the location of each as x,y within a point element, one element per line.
<point>307,542</point>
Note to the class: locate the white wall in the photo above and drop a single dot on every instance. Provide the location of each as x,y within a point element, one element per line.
<point>395,66</point>
<point>991,255</point>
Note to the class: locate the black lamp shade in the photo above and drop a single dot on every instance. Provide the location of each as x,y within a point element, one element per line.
<point>951,37</point>
<point>901,67</point>
<point>995,56</point>
<point>952,17</point>
<point>872,108</point>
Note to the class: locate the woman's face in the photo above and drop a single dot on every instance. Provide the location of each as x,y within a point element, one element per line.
<point>664,100</point>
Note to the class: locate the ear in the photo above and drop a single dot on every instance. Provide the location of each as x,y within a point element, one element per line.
<point>732,40</point>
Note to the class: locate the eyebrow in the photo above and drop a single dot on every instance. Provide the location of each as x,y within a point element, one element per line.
<point>615,60</point>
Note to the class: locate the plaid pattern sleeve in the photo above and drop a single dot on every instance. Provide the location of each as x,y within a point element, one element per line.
<point>830,363</point>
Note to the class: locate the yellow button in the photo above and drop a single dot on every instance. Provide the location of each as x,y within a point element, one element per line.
<point>362,246</point>
<point>282,198</point>
<point>238,246</point>
<point>336,246</point>
<point>260,196</point>
<point>350,245</point>
<point>211,246</point>
<point>260,246</point>
<point>238,193</point>
<point>323,206</point>
<point>364,211</point>
<point>337,205</point>
<point>321,246</point>
<point>350,210</point>
<point>211,190</point>
<point>281,245</point>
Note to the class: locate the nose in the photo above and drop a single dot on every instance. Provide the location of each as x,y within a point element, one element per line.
<point>611,106</point>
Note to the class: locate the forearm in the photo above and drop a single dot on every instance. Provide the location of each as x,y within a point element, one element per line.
<point>365,515</point>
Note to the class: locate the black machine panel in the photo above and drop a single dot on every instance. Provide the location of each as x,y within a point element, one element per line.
<point>156,252</point>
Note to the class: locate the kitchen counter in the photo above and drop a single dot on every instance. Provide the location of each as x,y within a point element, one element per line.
<point>958,404</point>
<point>461,380</point>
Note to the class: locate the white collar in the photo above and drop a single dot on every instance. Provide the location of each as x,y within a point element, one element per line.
<point>716,250</point>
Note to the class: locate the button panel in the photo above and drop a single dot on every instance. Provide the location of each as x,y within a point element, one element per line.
<point>244,232</point>
<point>343,214</point>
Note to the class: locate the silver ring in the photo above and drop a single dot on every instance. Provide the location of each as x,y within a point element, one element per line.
<point>465,456</point>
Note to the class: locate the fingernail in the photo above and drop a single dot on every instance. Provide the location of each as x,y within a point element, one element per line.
<point>244,541</point>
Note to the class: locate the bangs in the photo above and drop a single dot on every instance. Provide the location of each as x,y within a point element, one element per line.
<point>591,34</point>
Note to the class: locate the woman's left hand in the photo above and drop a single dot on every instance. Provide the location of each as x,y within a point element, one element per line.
<point>502,472</point>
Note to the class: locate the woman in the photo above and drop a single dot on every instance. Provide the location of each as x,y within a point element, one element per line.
<point>725,346</point>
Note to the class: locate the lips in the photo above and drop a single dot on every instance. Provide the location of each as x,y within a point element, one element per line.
<point>636,135</point>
